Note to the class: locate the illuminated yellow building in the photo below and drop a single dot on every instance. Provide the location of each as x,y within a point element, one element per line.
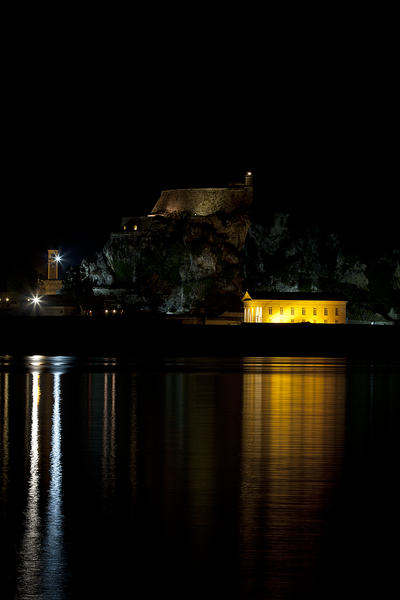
<point>270,307</point>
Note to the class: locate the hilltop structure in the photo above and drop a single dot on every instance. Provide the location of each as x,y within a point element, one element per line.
<point>202,202</point>
<point>206,201</point>
<point>198,249</point>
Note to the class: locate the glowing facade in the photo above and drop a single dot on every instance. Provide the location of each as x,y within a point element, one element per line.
<point>267,307</point>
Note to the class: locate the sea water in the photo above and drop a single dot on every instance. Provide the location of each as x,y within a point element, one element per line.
<point>198,477</point>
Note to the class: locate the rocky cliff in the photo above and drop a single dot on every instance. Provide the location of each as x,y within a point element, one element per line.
<point>184,262</point>
<point>285,253</point>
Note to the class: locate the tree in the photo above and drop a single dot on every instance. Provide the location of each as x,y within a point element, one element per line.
<point>78,289</point>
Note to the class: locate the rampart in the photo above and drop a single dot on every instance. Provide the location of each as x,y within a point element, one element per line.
<point>203,201</point>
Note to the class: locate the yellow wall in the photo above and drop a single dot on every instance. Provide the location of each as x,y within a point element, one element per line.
<point>258,311</point>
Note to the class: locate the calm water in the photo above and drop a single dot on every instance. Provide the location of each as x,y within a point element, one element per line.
<point>215,478</point>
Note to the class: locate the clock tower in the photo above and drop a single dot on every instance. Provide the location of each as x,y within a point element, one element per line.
<point>52,264</point>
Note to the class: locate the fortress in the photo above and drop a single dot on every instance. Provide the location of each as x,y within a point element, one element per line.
<point>206,201</point>
<point>197,201</point>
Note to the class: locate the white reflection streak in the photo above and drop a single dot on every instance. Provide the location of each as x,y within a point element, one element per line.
<point>54,563</point>
<point>30,562</point>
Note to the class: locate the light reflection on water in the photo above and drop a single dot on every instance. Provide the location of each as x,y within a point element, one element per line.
<point>30,564</point>
<point>54,566</point>
<point>233,473</point>
<point>293,445</point>
<point>41,567</point>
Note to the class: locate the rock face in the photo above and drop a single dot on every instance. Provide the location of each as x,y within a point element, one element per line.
<point>184,261</point>
<point>177,264</point>
<point>282,253</point>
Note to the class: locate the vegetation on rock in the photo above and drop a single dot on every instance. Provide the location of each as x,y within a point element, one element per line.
<point>187,263</point>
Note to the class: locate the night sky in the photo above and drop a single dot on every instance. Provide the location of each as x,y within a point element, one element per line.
<point>96,126</point>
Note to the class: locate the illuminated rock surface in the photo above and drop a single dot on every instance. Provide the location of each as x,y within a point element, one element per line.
<point>201,250</point>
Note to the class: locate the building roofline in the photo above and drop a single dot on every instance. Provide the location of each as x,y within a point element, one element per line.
<point>293,296</point>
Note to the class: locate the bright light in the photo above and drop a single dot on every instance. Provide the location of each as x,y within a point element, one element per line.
<point>58,258</point>
<point>36,299</point>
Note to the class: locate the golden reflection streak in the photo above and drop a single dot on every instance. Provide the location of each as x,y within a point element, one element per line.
<point>292,446</point>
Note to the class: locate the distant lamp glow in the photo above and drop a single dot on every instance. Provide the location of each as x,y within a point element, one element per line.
<point>249,179</point>
<point>36,300</point>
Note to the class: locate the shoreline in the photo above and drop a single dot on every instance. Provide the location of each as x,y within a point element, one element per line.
<point>116,336</point>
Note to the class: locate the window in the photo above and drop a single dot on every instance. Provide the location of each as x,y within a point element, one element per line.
<point>270,310</point>
<point>281,310</point>
<point>314,312</point>
<point>292,311</point>
<point>292,320</point>
<point>303,311</point>
<point>337,312</point>
<point>326,312</point>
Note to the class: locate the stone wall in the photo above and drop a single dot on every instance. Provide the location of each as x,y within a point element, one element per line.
<point>204,201</point>
<point>50,287</point>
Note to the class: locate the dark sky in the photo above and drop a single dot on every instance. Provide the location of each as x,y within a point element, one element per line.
<point>98,121</point>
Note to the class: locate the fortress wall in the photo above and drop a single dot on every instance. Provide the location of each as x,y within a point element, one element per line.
<point>205,201</point>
